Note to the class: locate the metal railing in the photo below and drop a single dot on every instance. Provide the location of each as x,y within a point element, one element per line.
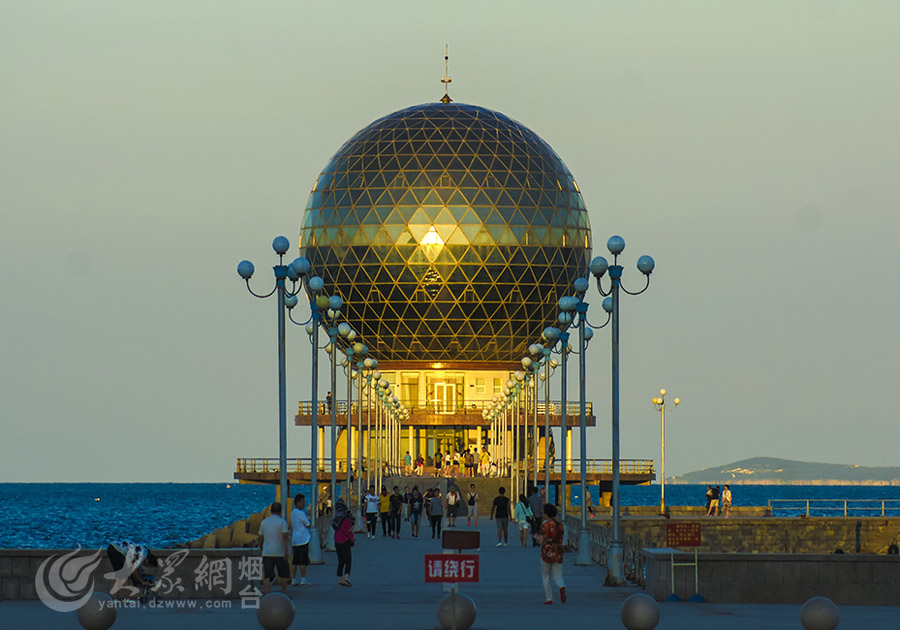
<point>473,407</point>
<point>843,507</point>
<point>304,464</point>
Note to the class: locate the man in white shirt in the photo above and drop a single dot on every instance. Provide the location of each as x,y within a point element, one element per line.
<point>273,543</point>
<point>371,512</point>
<point>300,540</point>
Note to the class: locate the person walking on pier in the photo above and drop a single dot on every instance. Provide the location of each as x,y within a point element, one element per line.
<point>551,541</point>
<point>395,508</point>
<point>300,524</point>
<point>726,501</point>
<point>453,501</point>
<point>713,509</point>
<point>342,523</point>
<point>524,518</point>
<point>472,502</point>
<point>415,510</point>
<point>500,509</point>
<point>436,512</point>
<point>371,500</point>
<point>537,509</point>
<point>273,546</point>
<point>384,509</point>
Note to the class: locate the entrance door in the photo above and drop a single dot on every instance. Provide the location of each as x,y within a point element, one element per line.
<point>445,397</point>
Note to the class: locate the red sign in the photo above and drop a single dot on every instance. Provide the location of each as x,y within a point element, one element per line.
<point>451,567</point>
<point>683,534</point>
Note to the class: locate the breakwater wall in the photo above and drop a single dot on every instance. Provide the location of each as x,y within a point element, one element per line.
<point>766,578</point>
<point>183,573</point>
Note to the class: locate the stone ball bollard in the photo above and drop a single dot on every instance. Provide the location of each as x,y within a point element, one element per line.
<point>97,613</point>
<point>465,611</point>
<point>819,613</point>
<point>276,612</point>
<point>640,612</point>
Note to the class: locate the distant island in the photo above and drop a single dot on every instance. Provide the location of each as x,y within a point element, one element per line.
<point>771,471</point>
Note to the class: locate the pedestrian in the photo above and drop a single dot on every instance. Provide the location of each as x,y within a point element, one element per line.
<point>395,508</point>
<point>406,503</point>
<point>551,541</point>
<point>708,498</point>
<point>415,510</point>
<point>436,512</point>
<point>438,461</point>
<point>524,518</point>
<point>500,509</point>
<point>328,401</point>
<point>420,466</point>
<point>452,506</point>
<point>371,500</point>
<point>456,457</point>
<point>726,501</point>
<point>472,502</point>
<point>384,509</point>
<point>714,502</point>
<point>273,545</point>
<point>128,560</point>
<point>470,463</point>
<point>485,468</point>
<point>342,523</point>
<point>448,461</point>
<point>407,464</point>
<point>537,509</point>
<point>300,524</point>
<point>589,501</point>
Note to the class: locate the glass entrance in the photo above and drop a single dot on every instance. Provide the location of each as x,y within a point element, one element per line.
<point>444,398</point>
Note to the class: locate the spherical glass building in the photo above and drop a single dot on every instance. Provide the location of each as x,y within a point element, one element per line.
<point>450,231</point>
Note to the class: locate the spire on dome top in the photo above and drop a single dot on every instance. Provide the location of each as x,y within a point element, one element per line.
<point>446,80</point>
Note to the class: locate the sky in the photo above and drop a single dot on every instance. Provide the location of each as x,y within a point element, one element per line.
<point>147,147</point>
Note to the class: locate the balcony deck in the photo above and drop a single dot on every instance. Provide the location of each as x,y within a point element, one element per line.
<point>429,416</point>
<point>597,471</point>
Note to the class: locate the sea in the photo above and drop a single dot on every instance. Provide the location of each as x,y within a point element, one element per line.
<point>91,515</point>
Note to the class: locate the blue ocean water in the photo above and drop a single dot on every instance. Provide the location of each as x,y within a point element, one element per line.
<point>65,515</point>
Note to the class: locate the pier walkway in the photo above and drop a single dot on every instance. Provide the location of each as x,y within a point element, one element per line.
<point>389,592</point>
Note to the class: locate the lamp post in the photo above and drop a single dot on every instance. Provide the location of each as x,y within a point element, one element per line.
<point>550,336</point>
<point>364,367</point>
<point>295,271</point>
<point>616,245</point>
<point>317,303</point>
<point>585,334</point>
<point>660,404</point>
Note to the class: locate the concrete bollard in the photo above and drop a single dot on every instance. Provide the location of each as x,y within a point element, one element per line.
<point>819,613</point>
<point>640,612</point>
<point>465,612</point>
<point>97,613</point>
<point>276,612</point>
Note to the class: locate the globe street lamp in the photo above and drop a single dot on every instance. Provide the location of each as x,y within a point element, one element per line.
<point>549,336</point>
<point>295,271</point>
<point>615,575</point>
<point>660,404</point>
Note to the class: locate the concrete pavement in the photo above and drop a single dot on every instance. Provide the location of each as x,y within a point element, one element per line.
<point>389,592</point>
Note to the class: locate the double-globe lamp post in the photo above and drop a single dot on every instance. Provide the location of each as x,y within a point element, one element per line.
<point>294,271</point>
<point>599,266</point>
<point>660,404</point>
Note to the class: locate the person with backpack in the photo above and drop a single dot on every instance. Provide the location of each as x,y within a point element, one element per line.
<point>342,523</point>
<point>452,506</point>
<point>472,502</point>
<point>524,518</point>
<point>415,510</point>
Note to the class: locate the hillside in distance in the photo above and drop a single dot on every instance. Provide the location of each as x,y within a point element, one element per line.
<point>771,470</point>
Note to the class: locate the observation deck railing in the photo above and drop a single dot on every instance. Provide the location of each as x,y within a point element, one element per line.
<point>474,407</point>
<point>304,465</point>
<point>835,507</point>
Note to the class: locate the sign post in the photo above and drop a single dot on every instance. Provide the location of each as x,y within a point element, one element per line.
<point>684,535</point>
<point>453,566</point>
